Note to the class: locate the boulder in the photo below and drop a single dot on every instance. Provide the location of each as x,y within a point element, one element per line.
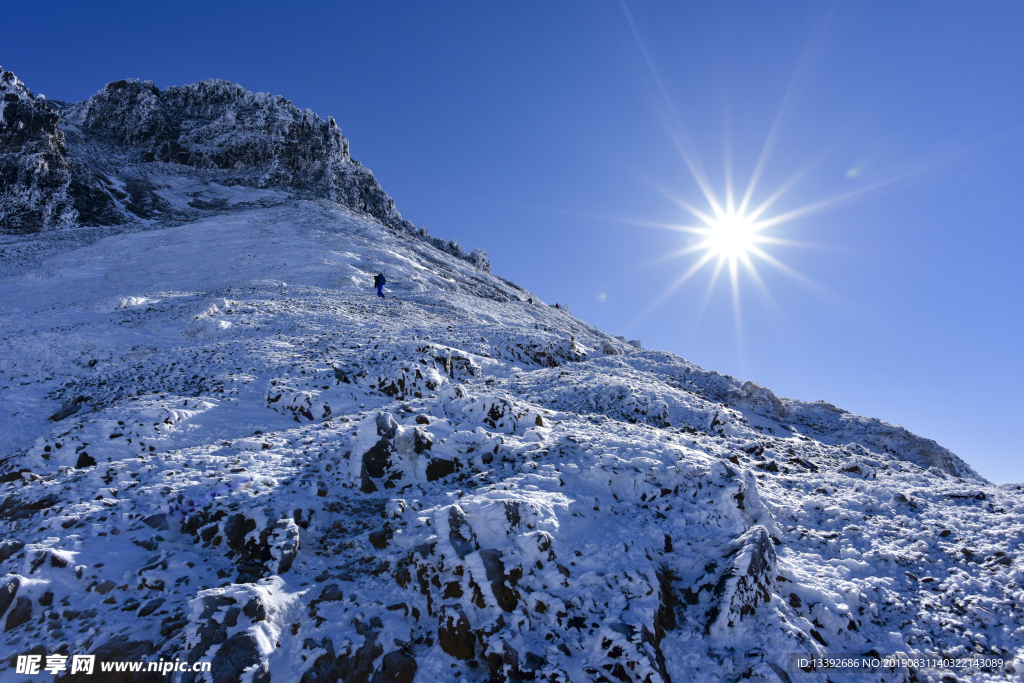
<point>396,667</point>
<point>19,614</point>
<point>502,584</point>
<point>7,592</point>
<point>455,634</point>
<point>354,668</point>
<point>119,648</point>
<point>238,653</point>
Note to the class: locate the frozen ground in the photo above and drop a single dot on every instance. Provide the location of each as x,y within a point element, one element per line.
<point>218,444</point>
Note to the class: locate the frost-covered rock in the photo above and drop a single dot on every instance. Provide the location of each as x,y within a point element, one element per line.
<point>35,174</point>
<point>106,161</point>
<point>752,579</point>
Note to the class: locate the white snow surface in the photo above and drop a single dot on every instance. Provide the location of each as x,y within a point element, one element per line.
<point>260,463</point>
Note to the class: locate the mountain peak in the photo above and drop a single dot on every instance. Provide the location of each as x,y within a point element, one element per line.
<point>94,162</point>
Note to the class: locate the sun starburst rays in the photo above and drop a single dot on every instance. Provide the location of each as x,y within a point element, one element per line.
<point>729,240</point>
<point>733,228</point>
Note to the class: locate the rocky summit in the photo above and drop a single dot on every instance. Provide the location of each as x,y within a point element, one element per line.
<point>221,450</point>
<point>105,161</point>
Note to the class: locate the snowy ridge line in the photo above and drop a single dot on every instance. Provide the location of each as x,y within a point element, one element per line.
<point>123,157</point>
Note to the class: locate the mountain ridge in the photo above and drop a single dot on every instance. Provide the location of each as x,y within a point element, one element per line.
<point>222,448</point>
<point>93,161</point>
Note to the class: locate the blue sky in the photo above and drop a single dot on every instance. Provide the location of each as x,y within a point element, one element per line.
<point>554,135</point>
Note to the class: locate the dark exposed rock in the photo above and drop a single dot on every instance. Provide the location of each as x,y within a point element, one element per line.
<point>14,475</point>
<point>8,477</point>
<point>158,522</point>
<point>8,548</point>
<point>66,411</point>
<point>85,460</point>
<point>7,592</point>
<point>505,666</point>
<point>455,634</point>
<point>12,509</point>
<point>421,439</point>
<point>354,668</point>
<point>396,667</point>
<point>533,662</point>
<point>272,550</point>
<point>331,593</point>
<point>439,468</point>
<point>235,530</point>
<point>151,606</point>
<point>375,460</point>
<point>285,544</point>
<point>379,538</point>
<point>255,610</point>
<point>34,169</point>
<point>666,616</point>
<point>502,583</point>
<point>218,126</point>
<point>119,648</point>
<point>366,484</point>
<point>512,513</point>
<point>238,653</point>
<point>213,630</point>
<point>250,554</point>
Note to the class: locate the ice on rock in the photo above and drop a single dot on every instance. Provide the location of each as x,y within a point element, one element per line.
<point>750,582</point>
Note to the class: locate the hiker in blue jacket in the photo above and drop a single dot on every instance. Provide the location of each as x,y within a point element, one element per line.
<point>379,281</point>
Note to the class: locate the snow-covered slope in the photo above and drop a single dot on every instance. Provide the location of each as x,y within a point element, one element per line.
<point>219,445</point>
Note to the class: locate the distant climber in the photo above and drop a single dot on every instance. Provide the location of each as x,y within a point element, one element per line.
<point>379,281</point>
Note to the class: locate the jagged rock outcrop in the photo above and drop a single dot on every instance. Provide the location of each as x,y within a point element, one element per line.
<point>34,171</point>
<point>257,138</point>
<point>751,580</point>
<point>92,162</point>
<point>232,620</point>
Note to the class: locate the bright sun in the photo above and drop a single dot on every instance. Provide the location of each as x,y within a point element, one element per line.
<point>730,236</point>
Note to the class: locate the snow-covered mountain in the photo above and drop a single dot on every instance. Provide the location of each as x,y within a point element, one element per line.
<point>105,161</point>
<point>219,446</point>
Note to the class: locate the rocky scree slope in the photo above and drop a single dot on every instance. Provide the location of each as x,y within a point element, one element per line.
<point>103,162</point>
<point>218,445</point>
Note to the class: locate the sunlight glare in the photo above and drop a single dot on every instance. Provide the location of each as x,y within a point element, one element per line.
<point>731,236</point>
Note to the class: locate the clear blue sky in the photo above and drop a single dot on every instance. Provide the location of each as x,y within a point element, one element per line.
<point>546,134</point>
